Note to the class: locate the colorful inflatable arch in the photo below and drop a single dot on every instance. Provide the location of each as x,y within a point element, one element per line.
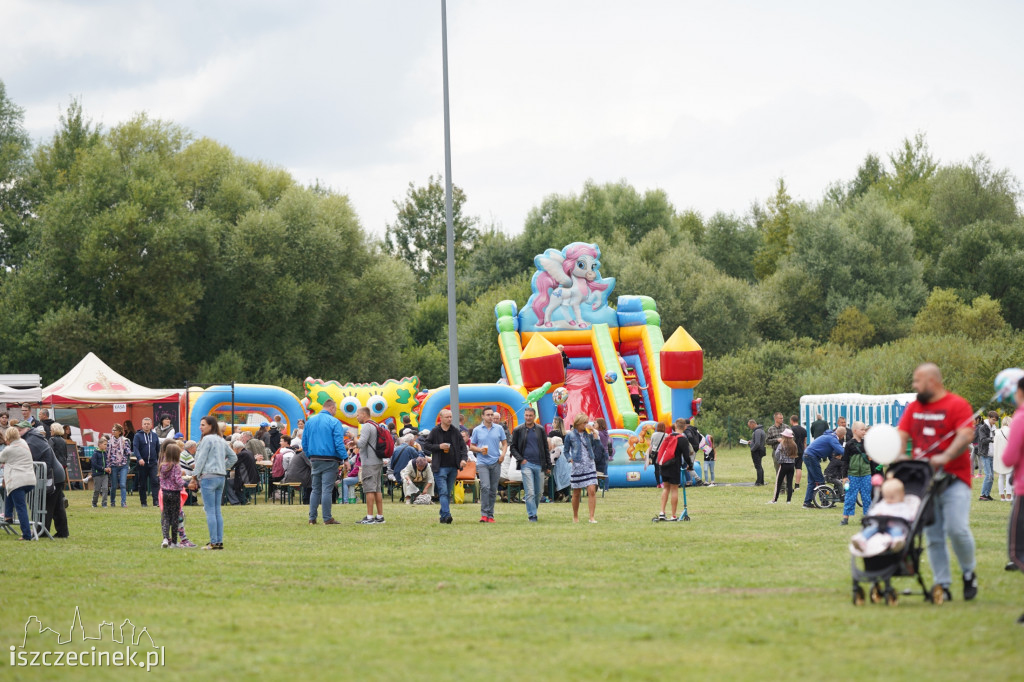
<point>266,400</point>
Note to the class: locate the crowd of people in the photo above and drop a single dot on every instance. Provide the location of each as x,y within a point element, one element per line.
<point>325,459</point>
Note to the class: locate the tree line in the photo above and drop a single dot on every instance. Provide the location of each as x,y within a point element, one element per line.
<point>174,259</point>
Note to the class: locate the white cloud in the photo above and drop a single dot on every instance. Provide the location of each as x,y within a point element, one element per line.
<point>710,101</point>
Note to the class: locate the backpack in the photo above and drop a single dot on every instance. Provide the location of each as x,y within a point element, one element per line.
<point>667,450</point>
<point>385,446</point>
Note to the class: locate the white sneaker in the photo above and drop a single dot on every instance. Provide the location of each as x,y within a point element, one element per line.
<point>165,544</point>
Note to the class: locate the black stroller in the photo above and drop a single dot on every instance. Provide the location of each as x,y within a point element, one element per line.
<point>879,570</point>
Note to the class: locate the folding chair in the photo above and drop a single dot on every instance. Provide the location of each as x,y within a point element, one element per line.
<point>36,503</point>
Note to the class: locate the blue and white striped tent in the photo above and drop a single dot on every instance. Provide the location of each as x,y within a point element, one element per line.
<point>856,407</point>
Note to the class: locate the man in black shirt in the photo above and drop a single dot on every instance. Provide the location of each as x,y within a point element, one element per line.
<point>448,456</point>
<point>818,426</point>
<point>756,443</point>
<point>529,448</point>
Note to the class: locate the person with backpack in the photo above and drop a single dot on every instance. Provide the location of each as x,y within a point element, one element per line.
<point>324,443</point>
<point>373,444</point>
<point>673,453</point>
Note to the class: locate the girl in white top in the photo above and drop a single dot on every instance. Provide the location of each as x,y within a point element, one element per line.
<point>1002,434</point>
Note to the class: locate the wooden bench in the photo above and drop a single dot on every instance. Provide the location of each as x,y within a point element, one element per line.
<point>251,490</point>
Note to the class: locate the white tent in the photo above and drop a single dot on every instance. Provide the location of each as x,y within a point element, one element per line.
<point>93,382</point>
<point>870,409</point>
<point>20,395</point>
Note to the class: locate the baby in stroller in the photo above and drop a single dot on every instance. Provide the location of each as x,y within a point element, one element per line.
<point>891,517</point>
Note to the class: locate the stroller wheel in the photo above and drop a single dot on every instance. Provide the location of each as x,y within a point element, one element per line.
<point>877,595</point>
<point>858,595</point>
<point>891,598</point>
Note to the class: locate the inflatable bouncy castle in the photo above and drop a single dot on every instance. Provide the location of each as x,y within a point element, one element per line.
<point>612,352</point>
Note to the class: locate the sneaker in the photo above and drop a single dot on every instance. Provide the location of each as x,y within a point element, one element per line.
<point>970,585</point>
<point>165,544</point>
<point>408,500</point>
<point>809,506</point>
<point>312,522</point>
<point>770,502</point>
<point>986,498</point>
<point>796,487</point>
<point>378,519</point>
<point>449,520</point>
<point>660,517</point>
<point>366,521</point>
<point>94,505</point>
<point>124,506</point>
<point>490,519</point>
<point>844,522</point>
<point>187,544</point>
<point>532,519</point>
<point>332,522</point>
<point>208,545</point>
<point>593,521</point>
<point>661,485</point>
<point>483,519</point>
<point>218,545</point>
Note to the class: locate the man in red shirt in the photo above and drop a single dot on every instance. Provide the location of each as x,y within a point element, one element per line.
<point>940,424</point>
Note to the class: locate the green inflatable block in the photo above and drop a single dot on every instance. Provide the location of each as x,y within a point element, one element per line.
<point>507,324</point>
<point>630,421</point>
<point>653,318</point>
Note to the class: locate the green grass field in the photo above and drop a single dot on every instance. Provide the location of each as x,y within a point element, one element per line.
<point>744,591</point>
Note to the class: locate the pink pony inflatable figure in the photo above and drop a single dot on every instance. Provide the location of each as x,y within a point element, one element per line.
<point>568,281</point>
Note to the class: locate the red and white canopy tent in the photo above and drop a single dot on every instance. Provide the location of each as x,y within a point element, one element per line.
<point>104,397</point>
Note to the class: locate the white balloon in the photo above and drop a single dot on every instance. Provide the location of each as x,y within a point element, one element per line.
<point>882,443</point>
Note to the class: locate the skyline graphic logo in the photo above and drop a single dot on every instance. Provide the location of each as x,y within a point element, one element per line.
<point>39,646</point>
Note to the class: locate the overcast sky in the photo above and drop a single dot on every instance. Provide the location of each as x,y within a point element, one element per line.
<point>710,101</point>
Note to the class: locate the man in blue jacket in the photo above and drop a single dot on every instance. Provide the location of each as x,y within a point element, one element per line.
<point>146,448</point>
<point>323,440</point>
<point>827,444</point>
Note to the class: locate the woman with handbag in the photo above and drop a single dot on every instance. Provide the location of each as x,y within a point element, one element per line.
<point>579,448</point>
<point>213,459</point>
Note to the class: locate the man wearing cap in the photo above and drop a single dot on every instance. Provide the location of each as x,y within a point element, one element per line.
<point>146,448</point>
<point>274,439</point>
<point>417,479</point>
<point>55,476</point>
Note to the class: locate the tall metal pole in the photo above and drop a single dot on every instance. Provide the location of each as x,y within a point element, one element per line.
<point>453,343</point>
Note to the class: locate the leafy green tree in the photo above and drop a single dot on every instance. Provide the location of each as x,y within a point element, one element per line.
<point>730,243</point>
<point>777,227</point>
<point>717,310</point>
<point>419,234</point>
<point>15,159</point>
<point>945,313</point>
<point>599,214</point>
<point>853,329</point>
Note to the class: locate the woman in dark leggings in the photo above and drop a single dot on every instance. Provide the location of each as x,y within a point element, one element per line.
<point>652,454</point>
<point>787,456</point>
